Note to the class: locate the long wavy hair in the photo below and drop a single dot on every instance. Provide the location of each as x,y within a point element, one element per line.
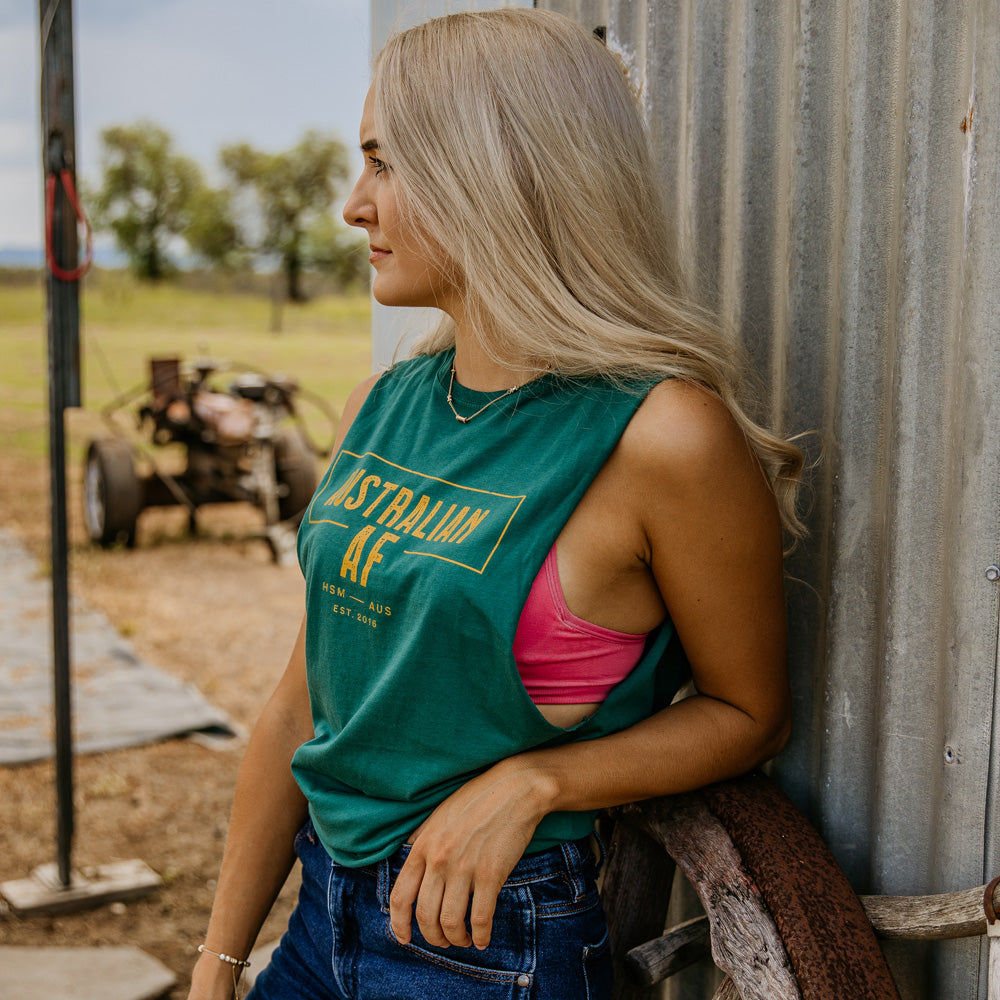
<point>519,154</point>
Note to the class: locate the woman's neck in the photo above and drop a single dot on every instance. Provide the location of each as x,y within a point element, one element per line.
<point>476,370</point>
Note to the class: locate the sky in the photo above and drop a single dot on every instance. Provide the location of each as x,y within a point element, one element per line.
<point>210,72</point>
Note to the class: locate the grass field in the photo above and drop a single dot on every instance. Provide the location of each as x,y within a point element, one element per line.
<point>324,344</point>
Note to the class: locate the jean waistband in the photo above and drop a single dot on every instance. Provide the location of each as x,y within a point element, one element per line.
<point>571,858</point>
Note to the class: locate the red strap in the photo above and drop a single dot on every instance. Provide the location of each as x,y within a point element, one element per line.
<point>50,201</point>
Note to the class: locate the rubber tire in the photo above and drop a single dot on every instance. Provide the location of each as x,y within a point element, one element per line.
<point>112,493</point>
<point>295,471</point>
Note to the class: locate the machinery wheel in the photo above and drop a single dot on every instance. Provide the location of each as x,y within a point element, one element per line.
<point>295,473</point>
<point>112,492</point>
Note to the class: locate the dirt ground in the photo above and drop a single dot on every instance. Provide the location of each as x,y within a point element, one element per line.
<point>215,611</point>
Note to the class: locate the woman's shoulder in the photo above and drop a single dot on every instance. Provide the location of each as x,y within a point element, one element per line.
<point>352,406</point>
<point>691,470</point>
<point>399,373</point>
<point>684,434</point>
<point>361,392</point>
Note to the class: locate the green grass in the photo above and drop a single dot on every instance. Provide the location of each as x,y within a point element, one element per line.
<point>324,344</point>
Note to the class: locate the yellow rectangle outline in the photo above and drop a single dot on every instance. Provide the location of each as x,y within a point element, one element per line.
<point>520,498</point>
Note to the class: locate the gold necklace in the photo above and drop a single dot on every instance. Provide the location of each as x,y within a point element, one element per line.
<point>496,399</point>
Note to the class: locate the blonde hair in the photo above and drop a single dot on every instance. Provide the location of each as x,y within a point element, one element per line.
<point>515,141</point>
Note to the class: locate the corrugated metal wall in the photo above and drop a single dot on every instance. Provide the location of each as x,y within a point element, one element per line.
<point>834,168</point>
<point>835,171</point>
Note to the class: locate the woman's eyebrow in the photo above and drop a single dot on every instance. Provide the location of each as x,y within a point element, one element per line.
<point>369,146</point>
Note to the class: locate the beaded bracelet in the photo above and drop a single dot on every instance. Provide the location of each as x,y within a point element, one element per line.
<point>236,963</point>
<point>243,963</point>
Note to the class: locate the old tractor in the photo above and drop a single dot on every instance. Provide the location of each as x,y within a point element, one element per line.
<point>201,443</point>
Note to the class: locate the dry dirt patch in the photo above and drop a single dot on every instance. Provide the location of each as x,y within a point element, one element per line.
<point>215,611</point>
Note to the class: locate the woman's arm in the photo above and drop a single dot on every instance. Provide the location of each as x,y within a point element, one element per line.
<point>711,537</point>
<point>268,810</point>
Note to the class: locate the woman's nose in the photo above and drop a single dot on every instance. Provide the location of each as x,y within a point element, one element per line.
<point>359,209</point>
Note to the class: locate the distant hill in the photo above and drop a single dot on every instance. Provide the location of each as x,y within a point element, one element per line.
<point>22,257</point>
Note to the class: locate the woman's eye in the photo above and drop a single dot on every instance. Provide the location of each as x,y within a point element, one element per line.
<point>380,165</point>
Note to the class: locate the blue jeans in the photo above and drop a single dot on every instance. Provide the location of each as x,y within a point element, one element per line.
<point>549,941</point>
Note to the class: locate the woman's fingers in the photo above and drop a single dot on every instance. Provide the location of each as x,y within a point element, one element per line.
<point>404,895</point>
<point>467,847</point>
<point>484,904</point>
<point>439,899</point>
<point>454,907</point>
<point>428,910</point>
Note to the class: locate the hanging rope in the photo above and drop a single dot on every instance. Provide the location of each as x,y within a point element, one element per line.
<point>50,200</point>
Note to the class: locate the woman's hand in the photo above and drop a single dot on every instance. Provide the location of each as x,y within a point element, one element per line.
<point>467,847</point>
<point>212,980</point>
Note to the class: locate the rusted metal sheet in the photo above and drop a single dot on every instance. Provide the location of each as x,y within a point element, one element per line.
<point>834,170</point>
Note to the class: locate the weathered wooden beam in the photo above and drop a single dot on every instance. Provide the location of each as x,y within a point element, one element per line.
<point>635,891</point>
<point>781,917</point>
<point>745,942</point>
<point>785,923</point>
<point>661,958</point>
<point>824,929</point>
<point>909,918</point>
<point>928,918</point>
<point>727,991</point>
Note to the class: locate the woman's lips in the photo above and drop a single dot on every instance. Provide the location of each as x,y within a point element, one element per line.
<point>377,254</point>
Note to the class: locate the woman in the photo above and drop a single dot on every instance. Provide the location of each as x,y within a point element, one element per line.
<point>516,522</point>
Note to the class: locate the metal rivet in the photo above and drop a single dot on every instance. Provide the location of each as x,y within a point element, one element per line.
<point>524,979</point>
<point>993,573</point>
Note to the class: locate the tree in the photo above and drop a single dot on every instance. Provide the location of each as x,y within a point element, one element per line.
<point>146,194</point>
<point>339,252</point>
<point>291,190</point>
<point>211,231</point>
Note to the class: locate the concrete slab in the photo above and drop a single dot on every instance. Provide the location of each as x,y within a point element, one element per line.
<point>42,892</point>
<point>116,973</point>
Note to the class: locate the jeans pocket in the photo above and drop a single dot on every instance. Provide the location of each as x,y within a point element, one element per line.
<point>574,954</point>
<point>507,961</point>
<point>558,896</point>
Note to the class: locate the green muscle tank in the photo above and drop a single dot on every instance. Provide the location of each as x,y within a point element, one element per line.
<point>418,550</point>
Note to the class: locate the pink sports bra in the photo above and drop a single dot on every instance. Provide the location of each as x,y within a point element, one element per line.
<point>562,659</point>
